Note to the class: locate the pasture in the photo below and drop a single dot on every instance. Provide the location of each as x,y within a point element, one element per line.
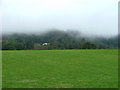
<point>60,69</point>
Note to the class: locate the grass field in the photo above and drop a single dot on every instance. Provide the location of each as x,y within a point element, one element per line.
<point>0,70</point>
<point>60,69</point>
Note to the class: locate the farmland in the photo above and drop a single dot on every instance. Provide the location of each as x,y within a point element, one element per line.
<point>60,69</point>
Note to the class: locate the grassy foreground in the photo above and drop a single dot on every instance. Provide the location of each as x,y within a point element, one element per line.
<point>60,69</point>
<point>0,70</point>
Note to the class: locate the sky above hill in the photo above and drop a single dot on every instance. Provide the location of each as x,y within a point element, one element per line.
<point>98,17</point>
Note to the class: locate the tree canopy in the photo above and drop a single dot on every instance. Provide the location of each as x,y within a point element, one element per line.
<point>56,40</point>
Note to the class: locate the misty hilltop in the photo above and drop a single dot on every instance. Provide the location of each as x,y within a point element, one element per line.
<point>57,39</point>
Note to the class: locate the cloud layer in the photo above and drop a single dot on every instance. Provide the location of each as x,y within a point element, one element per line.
<point>98,17</point>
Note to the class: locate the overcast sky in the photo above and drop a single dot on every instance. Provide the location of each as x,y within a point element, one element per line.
<point>98,17</point>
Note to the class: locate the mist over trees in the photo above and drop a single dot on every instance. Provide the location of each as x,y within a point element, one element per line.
<point>56,39</point>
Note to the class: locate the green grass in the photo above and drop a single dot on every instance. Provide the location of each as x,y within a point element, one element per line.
<point>60,69</point>
<point>0,70</point>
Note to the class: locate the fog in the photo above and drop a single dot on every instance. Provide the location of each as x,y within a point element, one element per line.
<point>97,17</point>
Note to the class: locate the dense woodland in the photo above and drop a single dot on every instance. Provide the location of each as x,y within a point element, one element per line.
<point>56,40</point>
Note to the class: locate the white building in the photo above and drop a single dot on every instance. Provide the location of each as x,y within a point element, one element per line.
<point>44,44</point>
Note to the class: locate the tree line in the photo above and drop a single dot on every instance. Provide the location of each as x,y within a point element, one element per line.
<point>56,40</point>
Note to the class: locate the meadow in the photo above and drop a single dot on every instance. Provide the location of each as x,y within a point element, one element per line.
<point>60,69</point>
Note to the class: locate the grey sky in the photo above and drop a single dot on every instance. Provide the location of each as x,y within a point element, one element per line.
<point>89,16</point>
